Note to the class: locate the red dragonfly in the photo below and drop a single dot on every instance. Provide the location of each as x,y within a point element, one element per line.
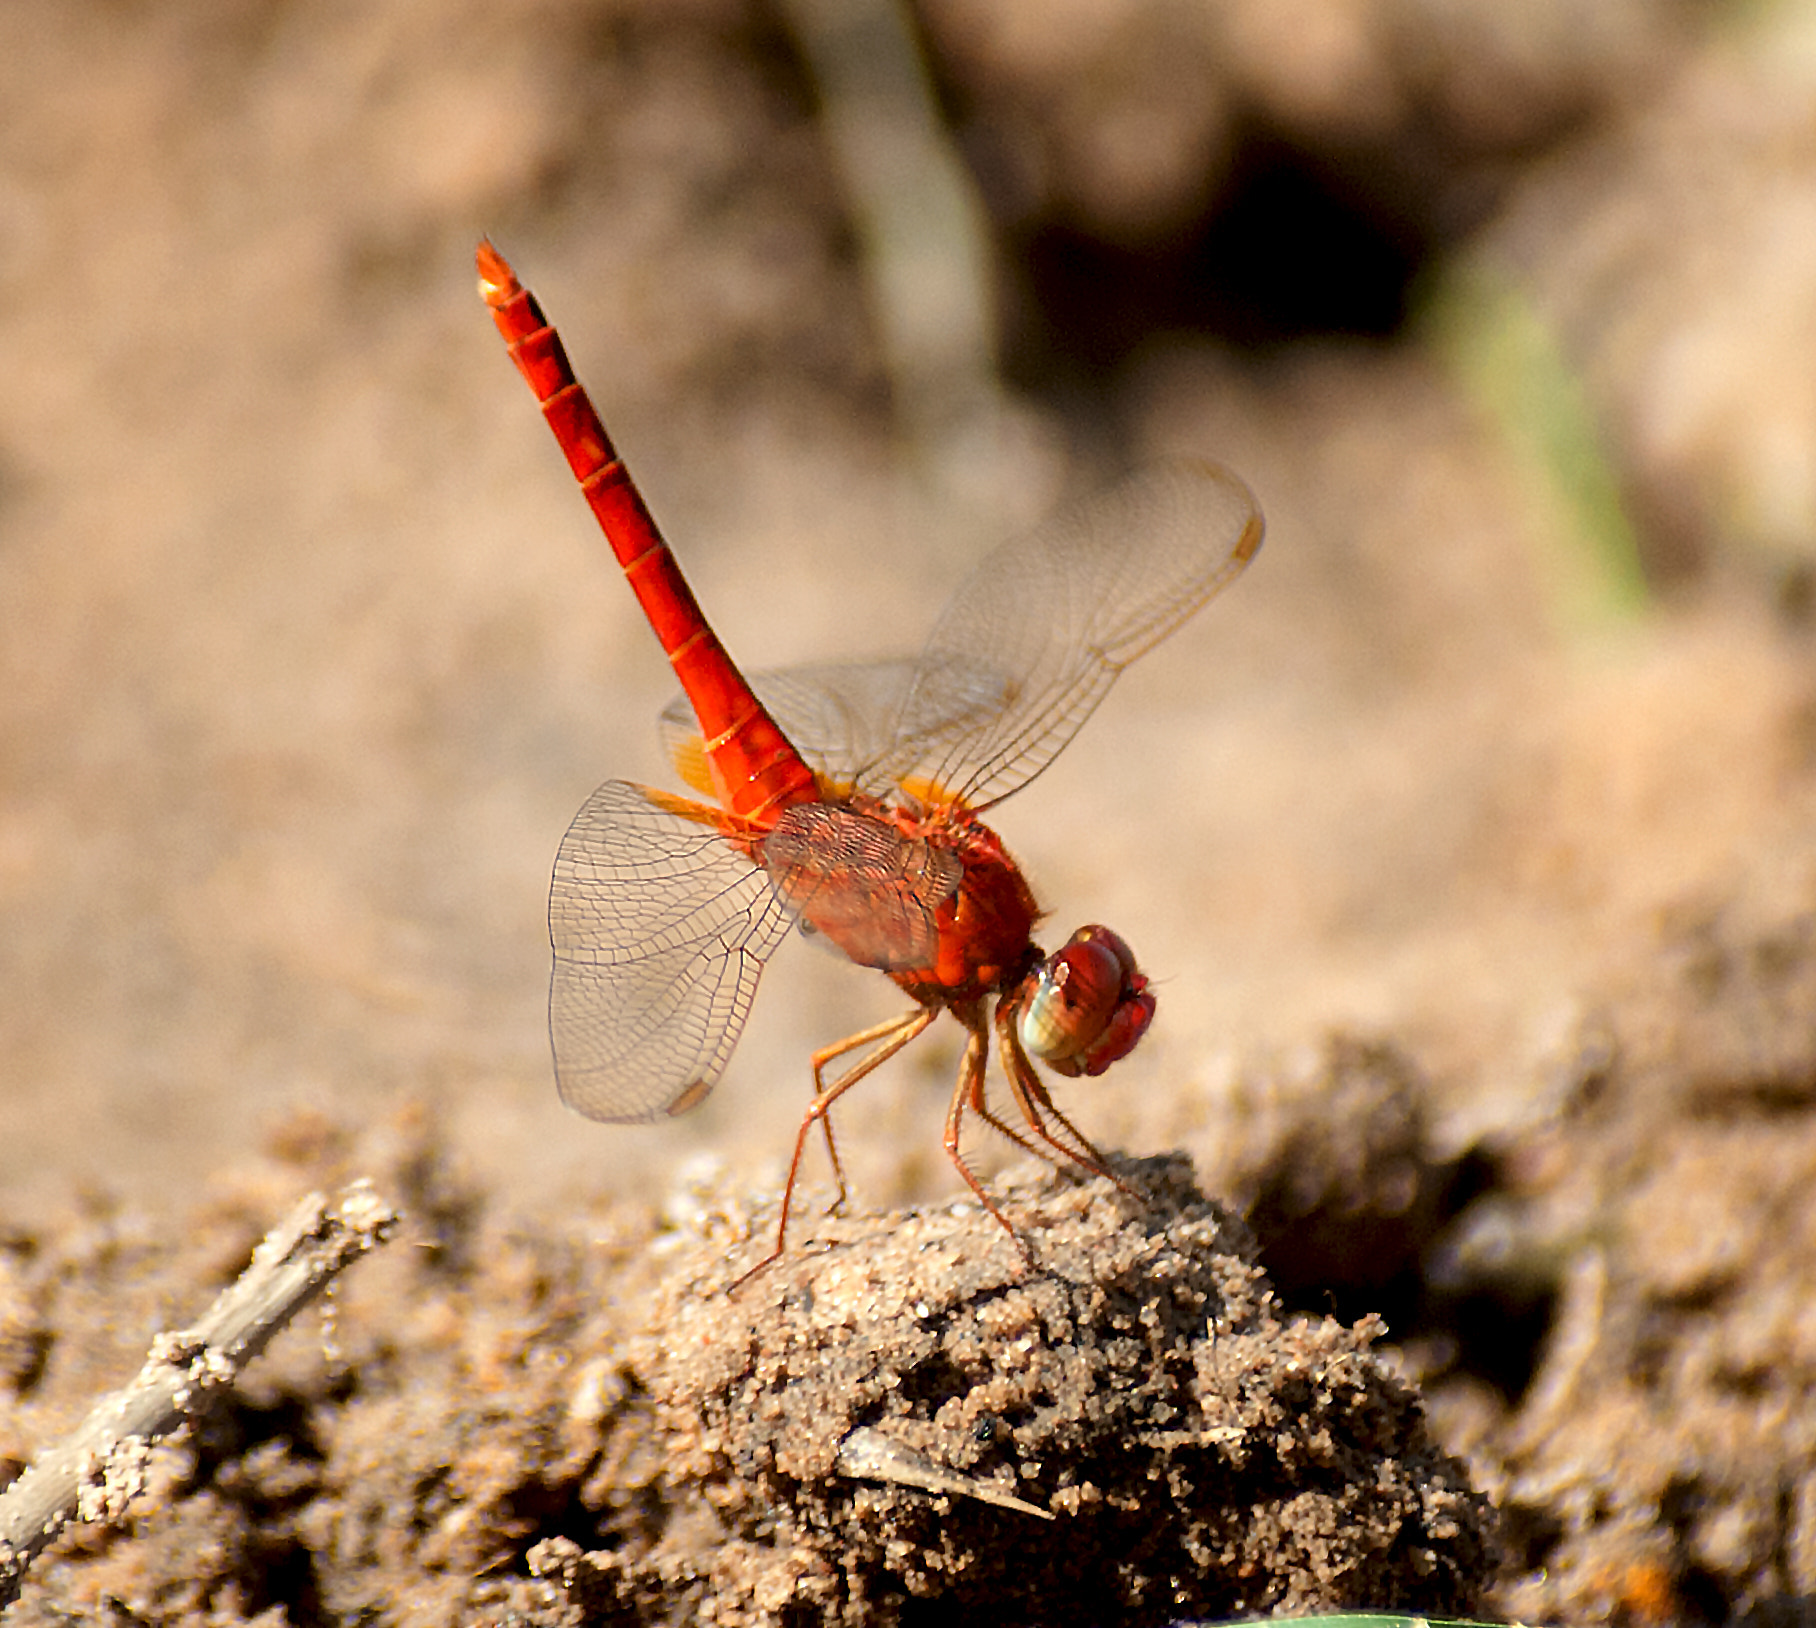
<point>847,800</point>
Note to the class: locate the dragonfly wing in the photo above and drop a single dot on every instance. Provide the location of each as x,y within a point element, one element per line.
<point>1036,635</point>
<point>660,927</point>
<point>866,886</point>
<point>841,717</point>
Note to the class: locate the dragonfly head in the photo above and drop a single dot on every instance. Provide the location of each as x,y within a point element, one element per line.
<point>1086,1005</point>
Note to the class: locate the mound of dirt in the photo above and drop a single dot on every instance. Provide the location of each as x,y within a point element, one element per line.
<point>904,1417</point>
<point>1603,1301</point>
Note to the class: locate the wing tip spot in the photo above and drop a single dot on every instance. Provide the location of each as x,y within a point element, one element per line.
<point>694,1094</point>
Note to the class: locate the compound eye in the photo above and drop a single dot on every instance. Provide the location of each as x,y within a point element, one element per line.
<point>1089,1004</point>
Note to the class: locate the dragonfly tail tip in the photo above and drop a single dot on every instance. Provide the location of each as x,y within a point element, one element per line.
<point>497,282</point>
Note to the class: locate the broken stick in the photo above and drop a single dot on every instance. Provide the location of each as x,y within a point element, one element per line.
<point>96,1472</point>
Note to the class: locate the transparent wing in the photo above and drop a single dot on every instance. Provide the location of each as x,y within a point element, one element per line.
<point>1023,652</point>
<point>842,717</point>
<point>660,927</point>
<point>1034,638</point>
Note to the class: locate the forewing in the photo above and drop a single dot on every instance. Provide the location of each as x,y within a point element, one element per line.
<point>1036,635</point>
<point>660,927</point>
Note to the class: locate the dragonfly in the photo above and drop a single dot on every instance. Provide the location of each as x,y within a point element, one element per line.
<point>847,801</point>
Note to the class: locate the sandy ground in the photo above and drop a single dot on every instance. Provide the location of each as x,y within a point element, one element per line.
<point>1468,837</point>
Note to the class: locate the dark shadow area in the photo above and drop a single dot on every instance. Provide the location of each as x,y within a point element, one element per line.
<point>1400,1238</point>
<point>1290,247</point>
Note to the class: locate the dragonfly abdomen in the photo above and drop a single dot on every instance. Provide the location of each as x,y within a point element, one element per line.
<point>756,770</point>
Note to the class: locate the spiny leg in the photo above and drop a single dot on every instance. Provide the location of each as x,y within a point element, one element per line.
<point>980,1106</point>
<point>1036,1104</point>
<point>893,1035</point>
<point>970,1092</point>
<point>832,1053</point>
<point>1024,1084</point>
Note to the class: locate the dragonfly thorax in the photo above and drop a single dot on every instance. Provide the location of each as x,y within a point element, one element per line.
<point>983,928</point>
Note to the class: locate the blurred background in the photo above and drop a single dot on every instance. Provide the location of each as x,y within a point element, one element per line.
<point>308,653</point>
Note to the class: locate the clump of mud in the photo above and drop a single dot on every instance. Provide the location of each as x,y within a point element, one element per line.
<point>901,1417</point>
<point>1198,1452</point>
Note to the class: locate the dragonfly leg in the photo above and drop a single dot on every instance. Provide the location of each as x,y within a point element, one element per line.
<point>981,1107</point>
<point>829,1054</point>
<point>1037,1105</point>
<point>890,1038</point>
<point>969,1093</point>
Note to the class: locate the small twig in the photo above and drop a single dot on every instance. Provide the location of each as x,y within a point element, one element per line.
<point>96,1472</point>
